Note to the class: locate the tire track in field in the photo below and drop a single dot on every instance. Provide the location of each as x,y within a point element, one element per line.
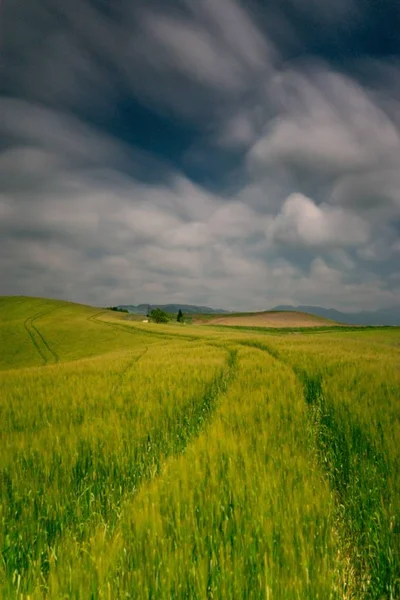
<point>48,355</point>
<point>147,455</point>
<point>371,559</point>
<point>120,379</point>
<point>171,436</point>
<point>134,331</point>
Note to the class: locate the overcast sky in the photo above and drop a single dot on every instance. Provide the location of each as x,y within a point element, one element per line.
<point>201,151</point>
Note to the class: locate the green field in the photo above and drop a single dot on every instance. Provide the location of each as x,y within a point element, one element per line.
<point>175,461</point>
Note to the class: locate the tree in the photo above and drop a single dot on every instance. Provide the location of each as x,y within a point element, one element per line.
<point>118,309</point>
<point>159,316</point>
<point>179,318</point>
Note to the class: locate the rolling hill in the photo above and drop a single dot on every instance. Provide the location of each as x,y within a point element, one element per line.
<point>384,316</point>
<point>189,309</point>
<point>273,319</point>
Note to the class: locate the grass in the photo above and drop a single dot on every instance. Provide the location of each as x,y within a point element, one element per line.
<point>167,461</point>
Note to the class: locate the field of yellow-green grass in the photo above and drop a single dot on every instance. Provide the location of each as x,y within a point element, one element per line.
<point>183,461</point>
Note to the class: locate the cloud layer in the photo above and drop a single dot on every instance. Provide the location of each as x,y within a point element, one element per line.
<point>277,180</point>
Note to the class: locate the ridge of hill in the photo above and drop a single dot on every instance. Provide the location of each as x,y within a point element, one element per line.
<point>383,316</point>
<point>268,319</point>
<point>173,308</point>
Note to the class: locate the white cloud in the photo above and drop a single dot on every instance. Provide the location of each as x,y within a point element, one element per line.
<point>327,126</point>
<point>376,191</point>
<point>86,216</point>
<point>303,223</point>
<point>99,236</point>
<point>192,51</point>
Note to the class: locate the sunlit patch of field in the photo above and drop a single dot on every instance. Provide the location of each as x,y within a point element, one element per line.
<point>174,461</point>
<point>274,319</point>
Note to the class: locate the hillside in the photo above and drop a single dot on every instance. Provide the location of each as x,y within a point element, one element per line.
<point>273,319</point>
<point>384,316</point>
<point>38,331</point>
<point>388,316</point>
<point>188,309</point>
<point>183,461</point>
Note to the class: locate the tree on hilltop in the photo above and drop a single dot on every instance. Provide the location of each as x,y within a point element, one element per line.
<point>179,318</point>
<point>159,316</point>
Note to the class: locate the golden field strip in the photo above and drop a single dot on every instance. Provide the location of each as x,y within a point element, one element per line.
<point>174,461</point>
<point>270,319</point>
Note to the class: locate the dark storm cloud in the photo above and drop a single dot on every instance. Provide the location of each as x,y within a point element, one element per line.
<point>290,114</point>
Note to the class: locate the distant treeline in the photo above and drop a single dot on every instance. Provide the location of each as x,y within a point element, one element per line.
<point>117,309</point>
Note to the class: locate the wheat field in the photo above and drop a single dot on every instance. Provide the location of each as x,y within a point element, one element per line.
<point>181,461</point>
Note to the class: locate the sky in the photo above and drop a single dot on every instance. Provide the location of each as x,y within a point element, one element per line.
<point>233,154</point>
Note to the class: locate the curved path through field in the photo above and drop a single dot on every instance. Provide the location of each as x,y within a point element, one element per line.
<point>42,346</point>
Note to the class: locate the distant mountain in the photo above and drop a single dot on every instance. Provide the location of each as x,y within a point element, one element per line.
<point>189,309</point>
<point>383,316</point>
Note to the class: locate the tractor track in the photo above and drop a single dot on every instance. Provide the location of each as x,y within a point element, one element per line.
<point>47,354</point>
<point>364,569</point>
<point>119,382</point>
<point>120,379</point>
